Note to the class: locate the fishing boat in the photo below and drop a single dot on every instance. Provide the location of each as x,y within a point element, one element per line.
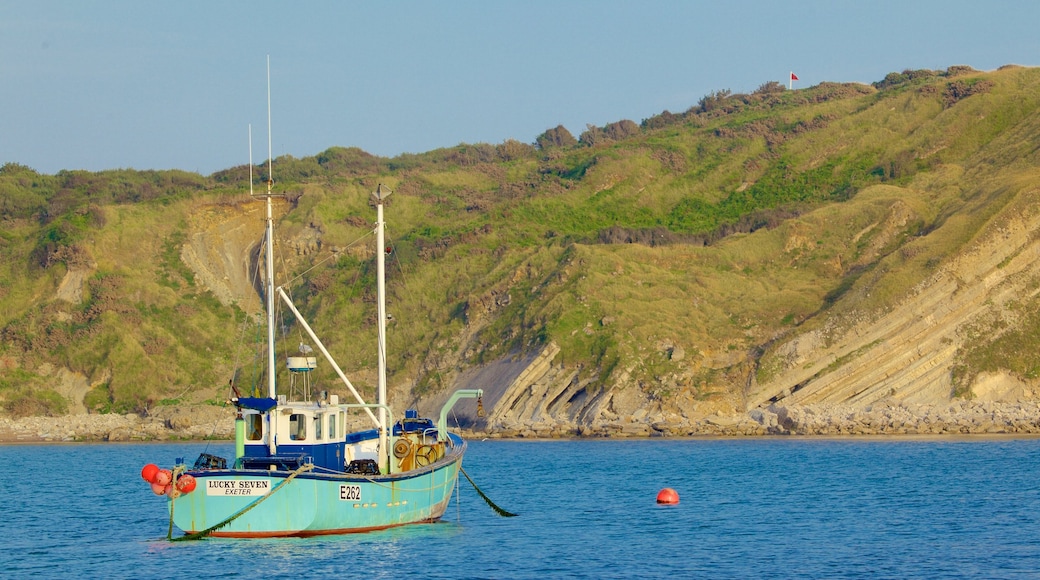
<point>296,470</point>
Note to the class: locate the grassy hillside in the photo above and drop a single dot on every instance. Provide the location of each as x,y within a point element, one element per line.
<point>669,254</point>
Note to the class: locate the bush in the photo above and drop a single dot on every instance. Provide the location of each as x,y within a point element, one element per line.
<point>958,90</point>
<point>592,136</point>
<point>713,100</point>
<point>769,88</point>
<point>665,119</point>
<point>959,70</point>
<point>45,402</point>
<point>469,155</point>
<point>558,136</point>
<point>511,149</point>
<point>907,76</point>
<point>350,160</point>
<point>621,130</point>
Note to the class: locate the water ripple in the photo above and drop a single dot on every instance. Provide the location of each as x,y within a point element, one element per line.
<point>784,508</point>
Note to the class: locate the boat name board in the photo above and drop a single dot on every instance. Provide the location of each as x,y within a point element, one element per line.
<point>350,492</point>
<point>237,487</point>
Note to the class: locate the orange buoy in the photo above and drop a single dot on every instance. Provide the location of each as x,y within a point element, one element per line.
<point>186,483</point>
<point>148,472</point>
<point>162,477</point>
<point>158,489</point>
<point>667,496</point>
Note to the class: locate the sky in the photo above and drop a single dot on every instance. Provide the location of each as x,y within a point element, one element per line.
<point>96,85</point>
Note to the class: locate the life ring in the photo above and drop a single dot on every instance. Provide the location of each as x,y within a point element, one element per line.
<point>425,455</point>
<point>402,448</point>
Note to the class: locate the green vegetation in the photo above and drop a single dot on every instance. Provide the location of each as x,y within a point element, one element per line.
<point>720,229</point>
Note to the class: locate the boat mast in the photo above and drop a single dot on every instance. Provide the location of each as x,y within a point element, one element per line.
<point>269,256</point>
<point>380,194</point>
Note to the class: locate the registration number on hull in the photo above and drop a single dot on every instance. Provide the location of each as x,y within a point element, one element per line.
<point>350,492</point>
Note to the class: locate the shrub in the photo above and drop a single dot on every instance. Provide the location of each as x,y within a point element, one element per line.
<point>351,160</point>
<point>45,402</point>
<point>907,76</point>
<point>959,70</point>
<point>958,90</point>
<point>621,130</point>
<point>469,155</point>
<point>558,136</point>
<point>769,88</point>
<point>592,136</point>
<point>712,100</point>
<point>512,149</point>
<point>664,119</point>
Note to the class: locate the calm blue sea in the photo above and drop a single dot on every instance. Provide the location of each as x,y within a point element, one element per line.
<point>780,508</point>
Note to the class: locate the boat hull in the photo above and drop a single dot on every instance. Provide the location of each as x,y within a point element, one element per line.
<point>264,504</point>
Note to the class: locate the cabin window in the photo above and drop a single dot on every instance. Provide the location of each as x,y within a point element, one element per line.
<point>254,427</point>
<point>317,426</point>
<point>297,427</point>
<point>332,426</point>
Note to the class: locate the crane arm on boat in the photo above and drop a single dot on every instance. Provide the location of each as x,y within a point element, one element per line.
<point>442,422</point>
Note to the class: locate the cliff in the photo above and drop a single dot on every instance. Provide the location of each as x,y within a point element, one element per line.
<point>839,259</point>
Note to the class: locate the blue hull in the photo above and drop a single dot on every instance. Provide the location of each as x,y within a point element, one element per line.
<point>283,504</point>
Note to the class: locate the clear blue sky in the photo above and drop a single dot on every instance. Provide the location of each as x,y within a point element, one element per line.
<point>158,85</point>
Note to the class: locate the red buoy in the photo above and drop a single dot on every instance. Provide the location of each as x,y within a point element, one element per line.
<point>148,472</point>
<point>158,489</point>
<point>185,483</point>
<point>163,477</point>
<point>667,496</point>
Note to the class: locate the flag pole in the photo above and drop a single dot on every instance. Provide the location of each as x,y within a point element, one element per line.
<point>790,80</point>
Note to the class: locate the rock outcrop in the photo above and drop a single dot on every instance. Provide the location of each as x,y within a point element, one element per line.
<point>220,250</point>
<point>907,353</point>
<point>858,372</point>
<point>169,423</point>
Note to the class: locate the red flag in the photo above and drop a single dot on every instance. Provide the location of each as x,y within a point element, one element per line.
<point>794,77</point>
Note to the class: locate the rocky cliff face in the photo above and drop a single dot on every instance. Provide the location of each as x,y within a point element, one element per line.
<point>854,360</point>
<point>908,352</point>
<point>221,249</point>
<point>904,355</point>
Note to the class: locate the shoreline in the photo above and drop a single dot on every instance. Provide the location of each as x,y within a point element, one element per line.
<point>189,423</point>
<point>886,420</point>
<point>950,437</point>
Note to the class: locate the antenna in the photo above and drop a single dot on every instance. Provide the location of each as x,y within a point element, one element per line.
<point>270,158</point>
<point>250,160</point>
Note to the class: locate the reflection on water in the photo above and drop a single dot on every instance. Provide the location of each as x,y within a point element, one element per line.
<point>332,554</point>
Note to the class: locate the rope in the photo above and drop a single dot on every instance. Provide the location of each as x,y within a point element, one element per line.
<point>397,259</point>
<point>279,308</point>
<point>258,368</point>
<point>433,480</point>
<point>176,473</point>
<point>236,515</point>
<point>332,255</point>
<point>458,502</point>
<point>497,509</point>
<point>352,477</point>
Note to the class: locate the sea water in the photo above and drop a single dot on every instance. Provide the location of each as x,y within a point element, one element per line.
<point>779,508</point>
